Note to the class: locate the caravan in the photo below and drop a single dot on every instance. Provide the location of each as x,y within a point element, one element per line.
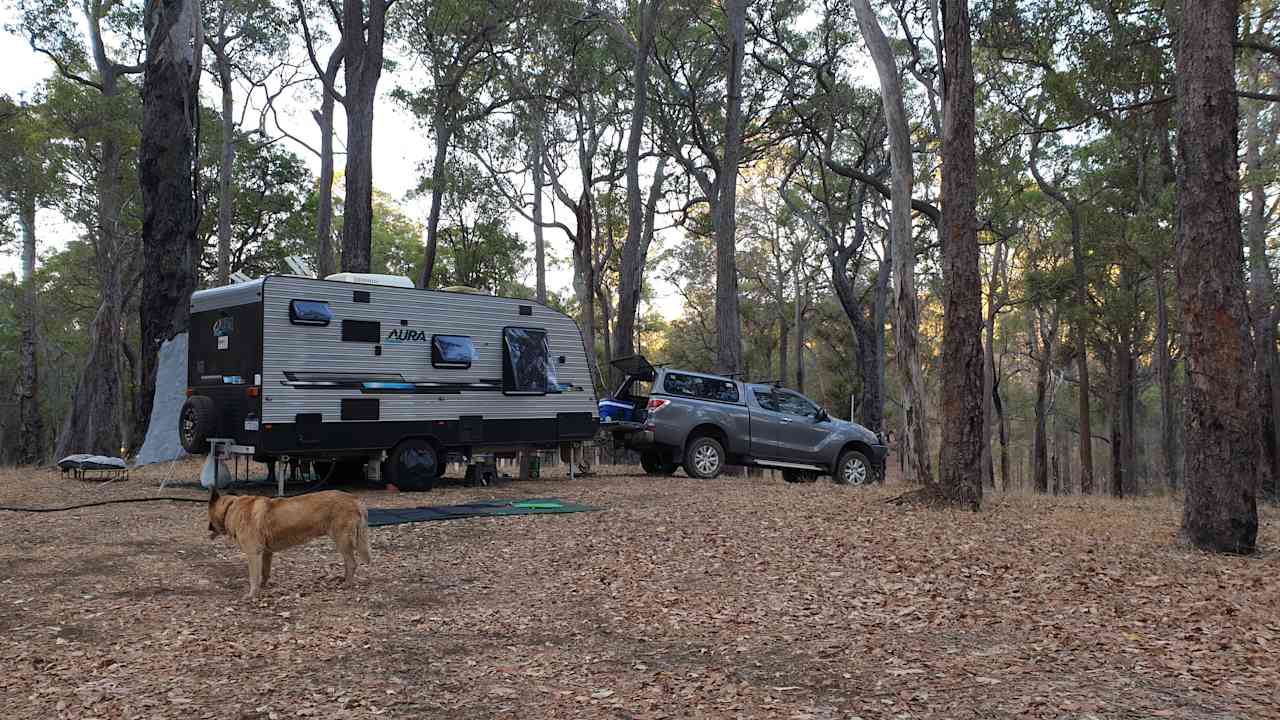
<point>370,369</point>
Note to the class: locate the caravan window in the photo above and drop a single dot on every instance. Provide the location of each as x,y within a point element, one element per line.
<point>526,362</point>
<point>309,312</point>
<point>451,351</point>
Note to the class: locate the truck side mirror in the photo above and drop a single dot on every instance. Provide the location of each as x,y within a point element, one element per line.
<point>822,416</point>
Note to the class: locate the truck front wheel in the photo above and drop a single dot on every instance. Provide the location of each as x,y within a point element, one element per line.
<point>703,458</point>
<point>853,469</point>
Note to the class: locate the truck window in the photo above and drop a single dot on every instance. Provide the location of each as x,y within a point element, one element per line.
<point>309,312</point>
<point>794,404</point>
<point>700,387</point>
<point>451,351</point>
<point>526,362</point>
<point>766,400</point>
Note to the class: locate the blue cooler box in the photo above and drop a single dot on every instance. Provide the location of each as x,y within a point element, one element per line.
<point>614,411</point>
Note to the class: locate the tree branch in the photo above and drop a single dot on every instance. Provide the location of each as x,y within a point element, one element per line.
<point>924,208</point>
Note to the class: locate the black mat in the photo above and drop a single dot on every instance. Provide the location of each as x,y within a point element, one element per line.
<point>380,517</point>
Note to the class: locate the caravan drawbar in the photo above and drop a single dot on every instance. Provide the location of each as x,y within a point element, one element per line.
<point>338,371</point>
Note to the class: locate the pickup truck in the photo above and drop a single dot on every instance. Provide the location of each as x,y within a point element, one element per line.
<point>702,422</point>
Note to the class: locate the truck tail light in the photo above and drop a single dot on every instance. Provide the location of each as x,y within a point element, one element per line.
<point>191,392</point>
<point>254,391</point>
<point>656,404</point>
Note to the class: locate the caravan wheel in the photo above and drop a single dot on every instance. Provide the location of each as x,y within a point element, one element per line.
<point>415,464</point>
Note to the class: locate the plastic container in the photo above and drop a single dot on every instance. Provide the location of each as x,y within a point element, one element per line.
<point>614,411</point>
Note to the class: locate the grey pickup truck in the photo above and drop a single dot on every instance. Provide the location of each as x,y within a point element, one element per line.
<point>703,422</point>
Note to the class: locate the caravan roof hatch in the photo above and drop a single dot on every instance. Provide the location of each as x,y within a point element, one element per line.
<point>635,366</point>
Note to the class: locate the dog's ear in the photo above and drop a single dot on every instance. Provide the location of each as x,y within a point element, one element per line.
<point>213,495</point>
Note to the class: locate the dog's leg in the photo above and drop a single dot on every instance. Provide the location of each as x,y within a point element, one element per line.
<point>266,568</point>
<point>348,562</point>
<point>362,538</point>
<point>255,572</point>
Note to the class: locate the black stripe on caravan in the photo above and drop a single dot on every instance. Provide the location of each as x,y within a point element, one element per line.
<point>354,437</point>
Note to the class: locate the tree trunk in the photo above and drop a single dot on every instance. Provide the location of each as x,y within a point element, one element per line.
<point>324,204</point>
<point>170,249</point>
<point>959,465</point>
<point>606,312</point>
<point>357,209</point>
<point>872,410</point>
<point>989,362</point>
<point>1164,377</point>
<point>1081,318</point>
<point>1221,440</point>
<point>799,323</point>
<point>324,118</point>
<point>444,133</point>
<point>30,449</point>
<point>1004,435</point>
<point>225,209</point>
<point>1122,382</point>
<point>906,327</point>
<point>632,262</point>
<point>362,67</point>
<point>539,182</point>
<point>784,349</point>
<point>728,321</point>
<point>1262,288</point>
<point>1039,456</point>
<point>584,276</point>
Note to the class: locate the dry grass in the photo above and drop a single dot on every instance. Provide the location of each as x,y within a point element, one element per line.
<point>740,597</point>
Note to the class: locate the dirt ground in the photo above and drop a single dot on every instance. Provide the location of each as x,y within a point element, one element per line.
<point>740,597</point>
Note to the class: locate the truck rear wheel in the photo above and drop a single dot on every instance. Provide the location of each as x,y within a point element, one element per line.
<point>655,463</point>
<point>414,464</point>
<point>703,458</point>
<point>196,424</point>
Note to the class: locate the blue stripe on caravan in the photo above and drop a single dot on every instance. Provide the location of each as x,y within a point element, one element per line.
<point>389,386</point>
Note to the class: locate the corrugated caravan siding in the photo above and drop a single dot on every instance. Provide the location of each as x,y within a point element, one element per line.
<point>298,348</point>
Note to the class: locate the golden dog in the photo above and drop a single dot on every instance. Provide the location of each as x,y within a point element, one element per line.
<point>263,526</point>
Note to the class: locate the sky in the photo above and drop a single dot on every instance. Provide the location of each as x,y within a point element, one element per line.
<point>399,147</point>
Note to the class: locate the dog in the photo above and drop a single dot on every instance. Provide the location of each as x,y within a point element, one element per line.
<point>263,526</point>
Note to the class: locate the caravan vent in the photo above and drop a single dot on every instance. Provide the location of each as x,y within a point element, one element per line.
<point>361,331</point>
<point>372,279</point>
<point>360,296</point>
<point>526,309</point>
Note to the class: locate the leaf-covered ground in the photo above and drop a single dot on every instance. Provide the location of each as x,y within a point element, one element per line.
<point>741,597</point>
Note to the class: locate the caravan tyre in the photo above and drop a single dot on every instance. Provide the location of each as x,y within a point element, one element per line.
<point>196,424</point>
<point>415,464</point>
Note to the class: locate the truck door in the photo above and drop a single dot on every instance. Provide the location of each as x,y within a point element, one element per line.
<point>801,436</point>
<point>766,423</point>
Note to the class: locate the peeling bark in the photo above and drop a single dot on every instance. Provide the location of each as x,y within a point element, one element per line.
<point>915,438</point>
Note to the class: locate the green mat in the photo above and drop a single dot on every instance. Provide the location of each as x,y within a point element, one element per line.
<point>381,517</point>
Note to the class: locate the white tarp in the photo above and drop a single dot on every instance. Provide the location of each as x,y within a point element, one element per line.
<point>161,443</point>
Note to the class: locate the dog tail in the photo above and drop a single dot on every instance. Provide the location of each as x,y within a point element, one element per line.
<point>362,535</point>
